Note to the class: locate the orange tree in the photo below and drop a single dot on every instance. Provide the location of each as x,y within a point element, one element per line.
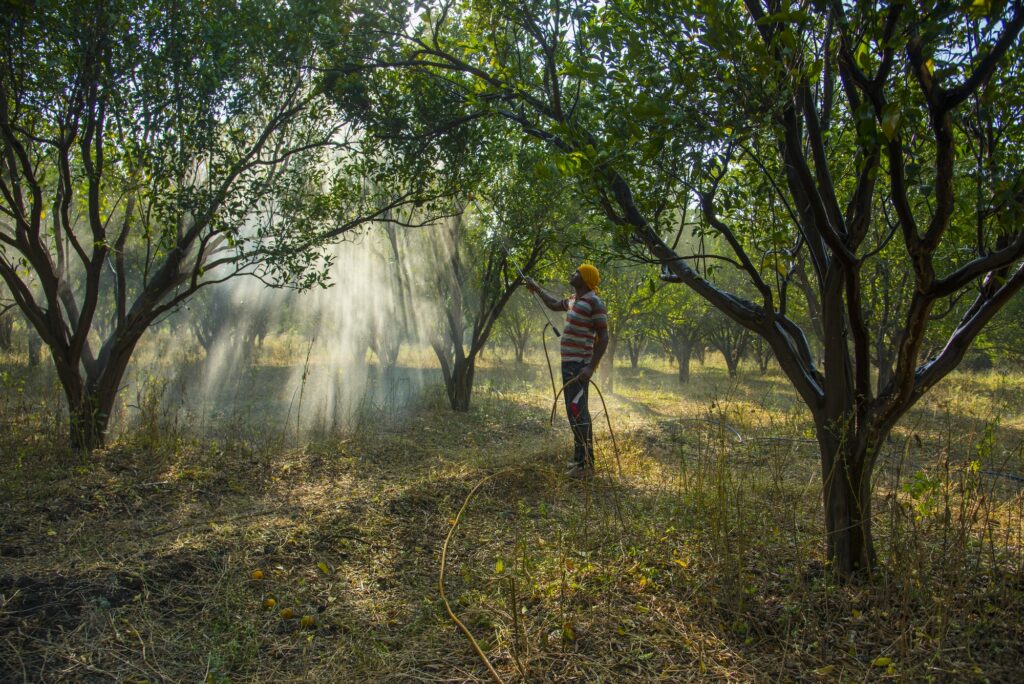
<point>505,227</point>
<point>149,149</point>
<point>878,127</point>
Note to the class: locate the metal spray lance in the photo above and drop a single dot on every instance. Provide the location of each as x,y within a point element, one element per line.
<point>543,308</point>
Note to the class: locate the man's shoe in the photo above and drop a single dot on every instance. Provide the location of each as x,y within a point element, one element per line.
<point>576,460</point>
<point>581,472</point>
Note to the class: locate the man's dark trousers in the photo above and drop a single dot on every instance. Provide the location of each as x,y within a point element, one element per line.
<point>576,394</point>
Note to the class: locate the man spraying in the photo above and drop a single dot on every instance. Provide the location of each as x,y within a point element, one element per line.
<point>584,340</point>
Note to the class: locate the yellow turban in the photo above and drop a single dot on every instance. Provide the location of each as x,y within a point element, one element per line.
<point>590,276</point>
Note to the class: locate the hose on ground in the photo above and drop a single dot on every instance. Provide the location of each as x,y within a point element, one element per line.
<point>604,408</point>
<point>440,580</point>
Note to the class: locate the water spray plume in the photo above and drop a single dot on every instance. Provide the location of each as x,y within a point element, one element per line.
<point>317,372</point>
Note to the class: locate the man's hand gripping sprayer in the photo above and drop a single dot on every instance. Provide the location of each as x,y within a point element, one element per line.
<point>539,302</point>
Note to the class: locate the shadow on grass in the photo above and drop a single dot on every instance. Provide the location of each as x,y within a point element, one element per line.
<point>705,561</point>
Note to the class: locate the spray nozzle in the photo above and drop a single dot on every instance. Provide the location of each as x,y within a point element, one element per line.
<point>539,302</point>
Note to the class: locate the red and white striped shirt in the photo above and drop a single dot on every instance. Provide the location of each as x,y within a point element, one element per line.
<point>586,315</point>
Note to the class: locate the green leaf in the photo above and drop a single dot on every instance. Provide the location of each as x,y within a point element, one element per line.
<point>862,56</point>
<point>891,117</point>
<point>649,108</point>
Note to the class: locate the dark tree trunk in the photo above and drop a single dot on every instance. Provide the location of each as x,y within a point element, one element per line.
<point>6,330</point>
<point>682,352</point>
<point>520,348</point>
<point>457,371</point>
<point>731,341</point>
<point>732,361</point>
<point>90,418</point>
<point>460,385</point>
<point>885,360</point>
<point>390,354</point>
<point>35,346</point>
<point>91,395</point>
<point>763,353</point>
<point>205,340</point>
<point>847,463</point>
<point>636,347</point>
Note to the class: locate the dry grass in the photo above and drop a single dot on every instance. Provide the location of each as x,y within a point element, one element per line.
<point>702,561</point>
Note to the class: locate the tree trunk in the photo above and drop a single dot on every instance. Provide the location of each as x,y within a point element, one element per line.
<point>608,364</point>
<point>391,356</point>
<point>884,360</point>
<point>636,348</point>
<point>460,385</point>
<point>387,351</point>
<point>90,417</point>
<point>682,352</point>
<point>762,354</point>
<point>732,363</point>
<point>35,346</point>
<point>6,330</point>
<point>846,472</point>
<point>91,396</point>
<point>731,342</point>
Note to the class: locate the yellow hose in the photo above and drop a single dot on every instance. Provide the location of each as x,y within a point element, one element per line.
<point>440,581</point>
<point>465,504</point>
<point>544,341</point>
<point>604,407</point>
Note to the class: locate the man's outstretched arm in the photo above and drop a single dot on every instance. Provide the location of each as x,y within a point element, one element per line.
<point>550,300</point>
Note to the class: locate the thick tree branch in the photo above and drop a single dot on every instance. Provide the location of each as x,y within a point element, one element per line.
<point>976,268</point>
